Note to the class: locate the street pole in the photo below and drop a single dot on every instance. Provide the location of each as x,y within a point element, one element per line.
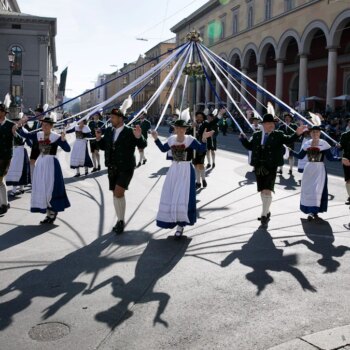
<point>11,58</point>
<point>41,92</point>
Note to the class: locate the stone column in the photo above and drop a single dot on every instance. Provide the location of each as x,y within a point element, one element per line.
<point>332,75</point>
<point>218,90</point>
<point>303,78</point>
<point>243,84</point>
<point>231,91</point>
<point>260,81</point>
<point>279,81</point>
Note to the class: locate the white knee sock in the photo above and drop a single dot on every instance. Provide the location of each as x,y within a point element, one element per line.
<point>119,206</point>
<point>347,185</point>
<point>97,155</point>
<point>209,157</point>
<point>291,162</point>
<point>78,171</point>
<point>266,203</point>
<point>198,175</point>
<point>141,156</point>
<point>213,156</point>
<point>3,193</point>
<point>93,156</point>
<point>202,172</point>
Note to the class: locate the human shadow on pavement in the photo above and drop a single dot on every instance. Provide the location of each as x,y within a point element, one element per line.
<point>289,183</point>
<point>250,179</point>
<point>21,234</point>
<point>321,241</point>
<point>69,180</point>
<point>261,254</point>
<point>160,172</point>
<point>58,279</point>
<point>158,259</point>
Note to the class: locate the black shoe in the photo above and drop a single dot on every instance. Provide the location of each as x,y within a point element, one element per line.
<point>264,221</point>
<point>178,234</point>
<point>213,166</point>
<point>268,215</point>
<point>119,227</point>
<point>99,168</point>
<point>138,165</point>
<point>144,161</point>
<point>279,172</point>
<point>76,175</point>
<point>208,165</point>
<point>348,201</point>
<point>198,185</point>
<point>49,220</point>
<point>93,170</point>
<point>4,208</point>
<point>204,183</point>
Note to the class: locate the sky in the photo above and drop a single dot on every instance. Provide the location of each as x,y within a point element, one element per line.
<point>94,35</point>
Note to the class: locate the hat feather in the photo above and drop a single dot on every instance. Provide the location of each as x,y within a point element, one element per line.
<point>7,100</point>
<point>185,115</point>
<point>215,112</point>
<point>126,105</point>
<point>270,109</point>
<point>315,119</point>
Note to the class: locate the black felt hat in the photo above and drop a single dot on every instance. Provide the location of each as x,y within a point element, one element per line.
<point>39,109</point>
<point>117,112</point>
<point>181,123</point>
<point>3,108</point>
<point>268,118</point>
<point>47,119</point>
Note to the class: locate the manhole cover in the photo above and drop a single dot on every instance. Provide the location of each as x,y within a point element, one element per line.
<point>49,331</point>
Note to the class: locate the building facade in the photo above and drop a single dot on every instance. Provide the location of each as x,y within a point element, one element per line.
<point>32,40</point>
<point>296,49</point>
<point>131,71</point>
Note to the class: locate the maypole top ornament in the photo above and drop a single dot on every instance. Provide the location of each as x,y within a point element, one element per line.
<point>194,69</point>
<point>194,36</point>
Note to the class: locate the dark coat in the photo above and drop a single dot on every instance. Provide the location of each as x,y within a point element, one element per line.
<point>120,154</point>
<point>345,144</point>
<point>271,154</point>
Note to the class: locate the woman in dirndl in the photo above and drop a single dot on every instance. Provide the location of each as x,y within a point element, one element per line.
<point>177,207</point>
<point>80,155</point>
<point>314,190</point>
<point>19,171</point>
<point>48,190</point>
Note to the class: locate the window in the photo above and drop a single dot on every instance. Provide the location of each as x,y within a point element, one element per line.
<point>288,5</point>
<point>250,17</point>
<point>17,65</point>
<point>235,24</point>
<point>268,12</point>
<point>222,28</point>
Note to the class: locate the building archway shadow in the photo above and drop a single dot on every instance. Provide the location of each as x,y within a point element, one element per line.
<point>321,241</point>
<point>261,254</point>
<point>157,260</point>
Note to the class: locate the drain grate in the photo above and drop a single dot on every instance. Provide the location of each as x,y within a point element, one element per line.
<point>49,331</point>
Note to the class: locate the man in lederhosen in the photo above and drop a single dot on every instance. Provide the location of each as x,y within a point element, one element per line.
<point>119,142</point>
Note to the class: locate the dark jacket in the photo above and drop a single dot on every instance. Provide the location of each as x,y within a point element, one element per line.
<point>345,144</point>
<point>120,154</point>
<point>6,140</point>
<point>271,154</point>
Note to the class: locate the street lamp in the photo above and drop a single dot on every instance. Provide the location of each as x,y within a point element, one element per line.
<point>11,57</point>
<point>41,92</point>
